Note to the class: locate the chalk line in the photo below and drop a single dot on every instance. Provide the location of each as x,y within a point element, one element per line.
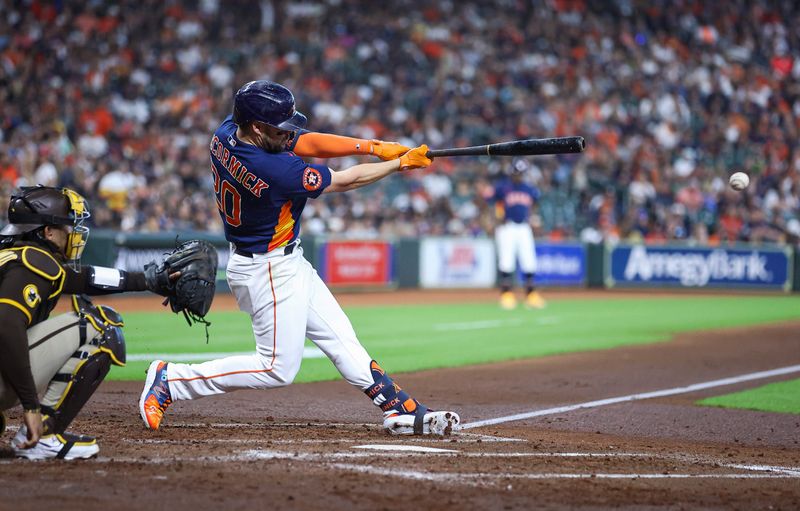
<point>635,397</point>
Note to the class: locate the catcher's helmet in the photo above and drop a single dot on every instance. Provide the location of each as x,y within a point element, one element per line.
<point>267,102</point>
<point>34,207</point>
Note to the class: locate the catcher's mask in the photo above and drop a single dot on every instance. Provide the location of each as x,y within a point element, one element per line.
<point>35,207</point>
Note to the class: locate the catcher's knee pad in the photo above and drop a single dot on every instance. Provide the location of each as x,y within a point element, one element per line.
<point>74,384</point>
<point>388,395</point>
<point>107,325</point>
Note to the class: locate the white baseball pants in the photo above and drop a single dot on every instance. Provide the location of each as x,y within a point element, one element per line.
<point>515,241</point>
<point>287,302</point>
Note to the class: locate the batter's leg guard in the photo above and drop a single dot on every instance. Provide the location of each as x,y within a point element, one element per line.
<point>402,414</point>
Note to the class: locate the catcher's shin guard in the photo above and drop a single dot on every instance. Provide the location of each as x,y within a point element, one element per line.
<point>404,415</point>
<point>72,386</point>
<point>101,344</point>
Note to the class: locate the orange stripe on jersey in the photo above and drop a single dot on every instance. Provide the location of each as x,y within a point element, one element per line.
<point>284,229</point>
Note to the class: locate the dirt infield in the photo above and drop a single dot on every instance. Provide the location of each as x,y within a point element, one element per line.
<point>317,446</point>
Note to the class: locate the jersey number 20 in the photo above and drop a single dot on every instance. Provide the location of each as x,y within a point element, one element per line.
<point>222,189</point>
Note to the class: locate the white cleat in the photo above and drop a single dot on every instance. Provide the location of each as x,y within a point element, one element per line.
<point>434,423</point>
<point>66,446</point>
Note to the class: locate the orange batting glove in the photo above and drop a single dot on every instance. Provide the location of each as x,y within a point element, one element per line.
<point>415,158</point>
<point>388,150</point>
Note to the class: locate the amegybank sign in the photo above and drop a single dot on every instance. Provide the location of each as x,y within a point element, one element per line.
<point>640,265</point>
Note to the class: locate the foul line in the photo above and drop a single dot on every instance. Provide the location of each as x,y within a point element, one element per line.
<point>635,397</point>
<point>482,479</point>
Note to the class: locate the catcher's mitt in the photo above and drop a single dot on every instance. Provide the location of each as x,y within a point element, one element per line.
<point>193,290</point>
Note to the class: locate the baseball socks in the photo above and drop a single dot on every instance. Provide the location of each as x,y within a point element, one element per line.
<point>533,300</point>
<point>404,415</point>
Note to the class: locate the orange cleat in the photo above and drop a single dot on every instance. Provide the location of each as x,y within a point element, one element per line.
<point>508,301</point>
<point>156,396</point>
<point>535,301</point>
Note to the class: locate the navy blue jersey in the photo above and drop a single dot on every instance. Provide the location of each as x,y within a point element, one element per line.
<point>513,201</point>
<point>261,195</point>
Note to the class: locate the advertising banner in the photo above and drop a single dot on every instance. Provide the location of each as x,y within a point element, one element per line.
<point>357,263</point>
<point>562,264</point>
<point>457,262</point>
<point>696,267</point>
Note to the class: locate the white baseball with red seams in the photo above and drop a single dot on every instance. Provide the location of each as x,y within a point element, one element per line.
<point>287,302</point>
<point>739,181</point>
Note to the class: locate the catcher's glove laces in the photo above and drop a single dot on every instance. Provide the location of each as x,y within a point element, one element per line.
<point>192,291</point>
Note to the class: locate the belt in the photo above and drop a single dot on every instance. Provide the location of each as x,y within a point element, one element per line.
<point>288,249</point>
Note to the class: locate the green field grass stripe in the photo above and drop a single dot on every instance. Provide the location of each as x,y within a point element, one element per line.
<point>308,352</point>
<point>476,325</point>
<point>413,337</point>
<point>781,397</point>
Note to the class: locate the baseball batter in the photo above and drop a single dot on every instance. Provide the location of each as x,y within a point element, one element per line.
<point>514,199</point>
<point>261,185</point>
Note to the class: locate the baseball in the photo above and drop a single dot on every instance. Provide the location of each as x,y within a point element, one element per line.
<point>739,181</point>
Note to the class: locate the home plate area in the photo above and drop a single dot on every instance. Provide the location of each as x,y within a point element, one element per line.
<point>307,465</point>
<point>464,458</point>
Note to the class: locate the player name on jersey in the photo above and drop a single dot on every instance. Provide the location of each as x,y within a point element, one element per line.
<point>515,198</point>
<point>237,171</point>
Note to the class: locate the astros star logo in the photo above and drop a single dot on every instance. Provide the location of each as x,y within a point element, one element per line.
<point>312,179</point>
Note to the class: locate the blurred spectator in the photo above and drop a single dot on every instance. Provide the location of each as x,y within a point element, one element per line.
<point>118,100</point>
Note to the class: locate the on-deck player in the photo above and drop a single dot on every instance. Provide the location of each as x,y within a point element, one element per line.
<point>262,184</point>
<point>514,200</point>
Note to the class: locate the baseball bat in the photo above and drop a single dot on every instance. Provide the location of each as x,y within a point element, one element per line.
<point>531,146</point>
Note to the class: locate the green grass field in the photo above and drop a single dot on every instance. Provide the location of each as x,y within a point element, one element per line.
<point>782,397</point>
<point>426,336</point>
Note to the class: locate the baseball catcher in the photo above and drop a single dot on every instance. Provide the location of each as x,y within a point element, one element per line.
<point>53,365</point>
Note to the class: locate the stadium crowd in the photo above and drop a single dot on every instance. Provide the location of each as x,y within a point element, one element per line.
<point>118,100</point>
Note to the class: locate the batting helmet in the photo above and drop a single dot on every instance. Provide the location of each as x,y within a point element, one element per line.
<point>35,207</point>
<point>267,102</point>
<point>519,166</point>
